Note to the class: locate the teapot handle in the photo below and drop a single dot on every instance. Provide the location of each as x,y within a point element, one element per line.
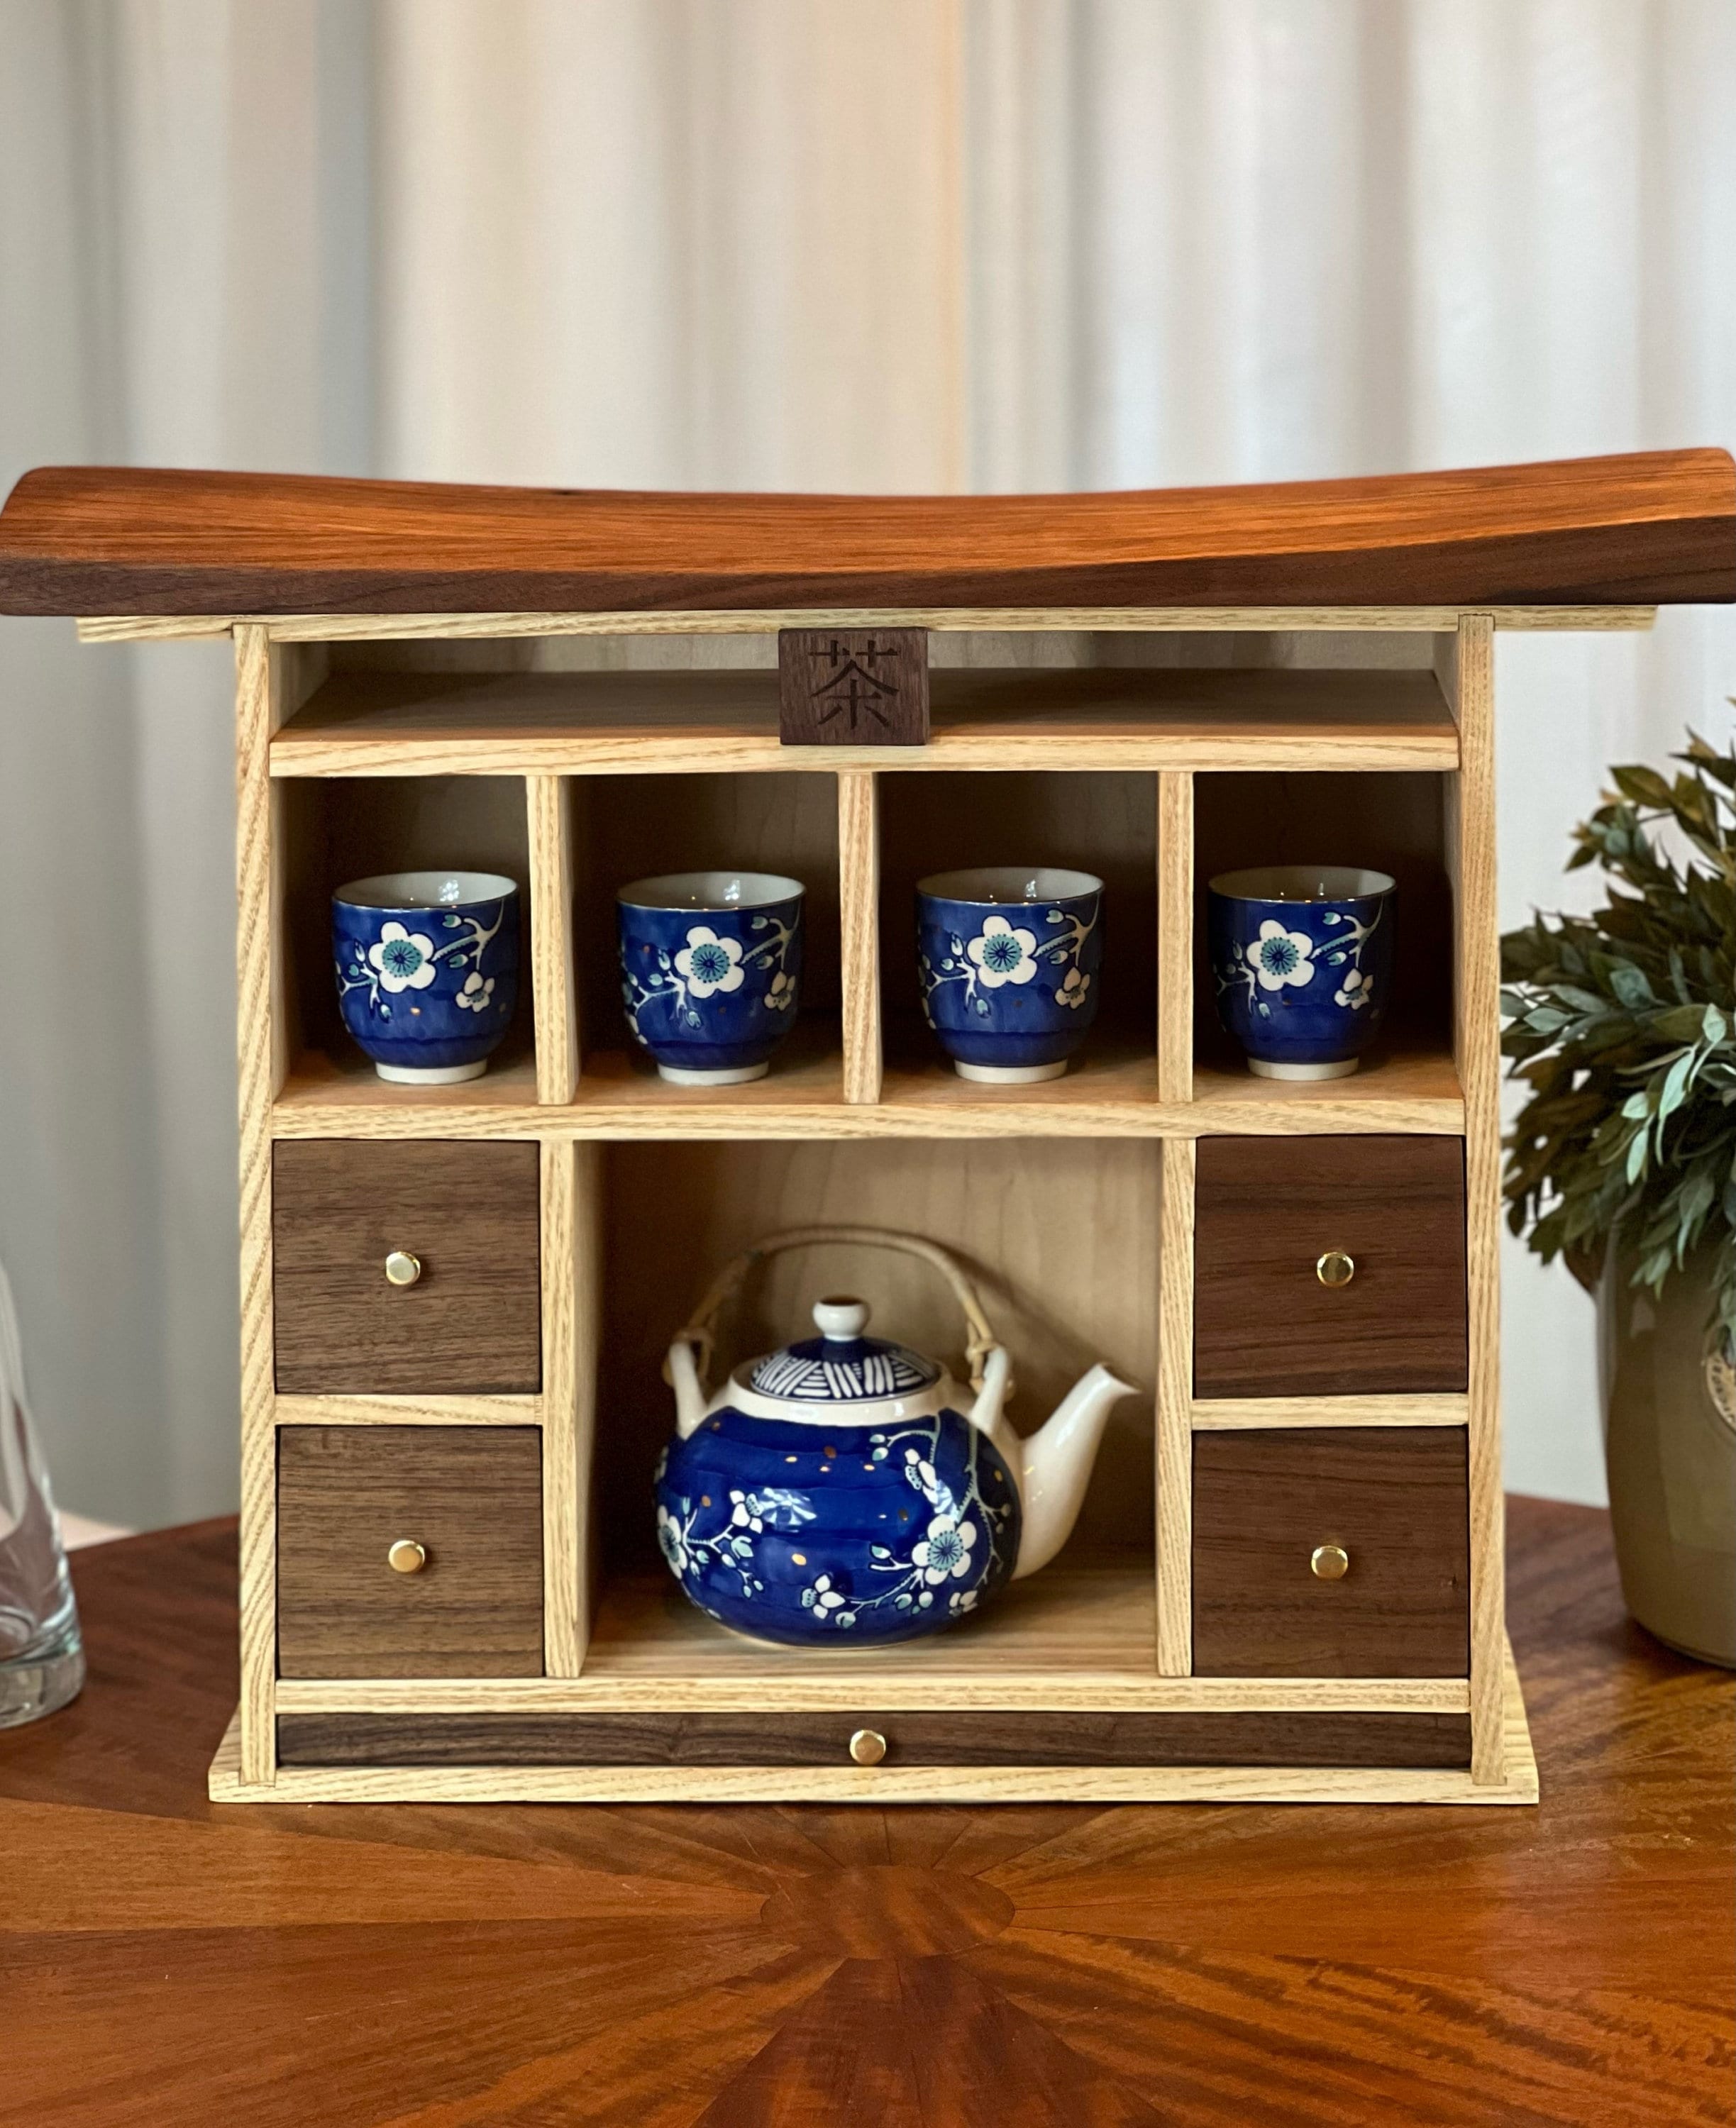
<point>699,1331</point>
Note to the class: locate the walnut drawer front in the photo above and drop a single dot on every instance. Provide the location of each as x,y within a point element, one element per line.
<point>1392,1499</point>
<point>1028,1737</point>
<point>470,1497</point>
<point>1267,1211</point>
<point>470,1324</point>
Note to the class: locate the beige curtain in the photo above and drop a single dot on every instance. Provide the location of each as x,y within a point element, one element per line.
<point>850,243</point>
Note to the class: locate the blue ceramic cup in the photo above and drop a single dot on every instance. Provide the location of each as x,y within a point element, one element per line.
<point>1301,956</point>
<point>710,963</point>
<point>427,971</point>
<point>1008,961</point>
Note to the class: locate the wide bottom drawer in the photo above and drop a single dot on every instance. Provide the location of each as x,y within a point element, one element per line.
<point>972,1738</point>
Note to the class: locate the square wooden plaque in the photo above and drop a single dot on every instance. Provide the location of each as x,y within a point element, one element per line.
<point>840,686</point>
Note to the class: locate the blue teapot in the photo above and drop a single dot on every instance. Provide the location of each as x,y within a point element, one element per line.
<point>846,1489</point>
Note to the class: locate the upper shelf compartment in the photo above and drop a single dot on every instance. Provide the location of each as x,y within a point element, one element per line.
<point>373,722</point>
<point>1647,527</point>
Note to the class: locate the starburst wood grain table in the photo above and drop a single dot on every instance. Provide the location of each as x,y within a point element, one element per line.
<point>165,1960</point>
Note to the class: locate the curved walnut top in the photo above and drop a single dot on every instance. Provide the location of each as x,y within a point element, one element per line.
<point>1652,527</point>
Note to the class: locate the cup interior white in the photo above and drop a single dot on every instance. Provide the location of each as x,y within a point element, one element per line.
<point>999,884</point>
<point>424,889</point>
<point>1301,883</point>
<point>708,890</point>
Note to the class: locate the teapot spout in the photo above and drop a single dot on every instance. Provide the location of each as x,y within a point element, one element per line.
<point>1057,1466</point>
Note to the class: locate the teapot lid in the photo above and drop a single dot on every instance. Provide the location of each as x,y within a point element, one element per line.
<point>841,1365</point>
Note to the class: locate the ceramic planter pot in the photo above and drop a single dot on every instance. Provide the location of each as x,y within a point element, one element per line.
<point>1301,956</point>
<point>1009,962</point>
<point>426,964</point>
<point>710,967</point>
<point>1670,1444</point>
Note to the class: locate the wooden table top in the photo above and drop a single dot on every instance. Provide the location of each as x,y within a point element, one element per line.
<point>164,1960</point>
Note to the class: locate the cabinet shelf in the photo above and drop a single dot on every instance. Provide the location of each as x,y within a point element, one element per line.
<point>371,722</point>
<point>1112,1092</point>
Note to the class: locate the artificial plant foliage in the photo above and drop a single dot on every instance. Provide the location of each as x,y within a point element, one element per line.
<point>1623,1024</point>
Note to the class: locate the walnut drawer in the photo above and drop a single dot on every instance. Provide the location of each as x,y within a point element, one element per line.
<point>470,1325</point>
<point>1394,1499</point>
<point>470,1496</point>
<point>1267,1209</point>
<point>1026,1738</point>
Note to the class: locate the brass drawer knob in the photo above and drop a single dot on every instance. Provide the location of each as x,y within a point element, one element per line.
<point>1330,1562</point>
<point>404,1267</point>
<point>406,1556</point>
<point>1335,1268</point>
<point>868,1747</point>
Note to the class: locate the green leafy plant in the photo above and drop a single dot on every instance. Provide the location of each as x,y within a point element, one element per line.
<point>1623,1024</point>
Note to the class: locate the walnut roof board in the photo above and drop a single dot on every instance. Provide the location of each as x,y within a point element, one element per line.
<point>1647,527</point>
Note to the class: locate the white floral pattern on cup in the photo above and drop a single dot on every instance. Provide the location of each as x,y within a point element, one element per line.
<point>1001,953</point>
<point>1278,957</point>
<point>1006,952</point>
<point>708,963</point>
<point>1355,991</point>
<point>402,959</point>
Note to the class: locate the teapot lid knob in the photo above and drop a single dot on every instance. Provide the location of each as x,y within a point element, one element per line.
<point>840,1316</point>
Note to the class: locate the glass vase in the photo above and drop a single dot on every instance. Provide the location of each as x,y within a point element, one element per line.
<point>41,1654</point>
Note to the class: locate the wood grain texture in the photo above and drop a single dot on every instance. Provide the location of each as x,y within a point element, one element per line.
<point>853,688</point>
<point>1394,1498</point>
<point>1218,1415</point>
<point>672,622</point>
<point>473,1500</point>
<point>1175,937</point>
<point>1467,674</point>
<point>1650,527</point>
<point>1110,1091</point>
<point>470,1323</point>
<point>953,1738</point>
<point>858,923</point>
<point>174,1961</point>
<point>1174,1448</point>
<point>391,723</point>
<point>262,1052</point>
<point>1264,1325</point>
<point>566,1484</point>
<point>713,1683</point>
<point>550,829</point>
<point>408,1410</point>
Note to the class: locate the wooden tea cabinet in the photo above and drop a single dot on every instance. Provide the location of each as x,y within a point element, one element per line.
<point>576,689</point>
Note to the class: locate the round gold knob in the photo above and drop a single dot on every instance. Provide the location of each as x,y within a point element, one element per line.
<point>868,1747</point>
<point>1335,1268</point>
<point>1330,1562</point>
<point>406,1556</point>
<point>403,1267</point>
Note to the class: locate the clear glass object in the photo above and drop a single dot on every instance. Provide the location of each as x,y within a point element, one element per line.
<point>41,1654</point>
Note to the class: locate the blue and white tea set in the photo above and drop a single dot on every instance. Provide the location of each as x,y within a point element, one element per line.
<point>1009,961</point>
<point>1301,957</point>
<point>845,1490</point>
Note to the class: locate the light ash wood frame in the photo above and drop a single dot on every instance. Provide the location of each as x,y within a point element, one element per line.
<point>279,664</point>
